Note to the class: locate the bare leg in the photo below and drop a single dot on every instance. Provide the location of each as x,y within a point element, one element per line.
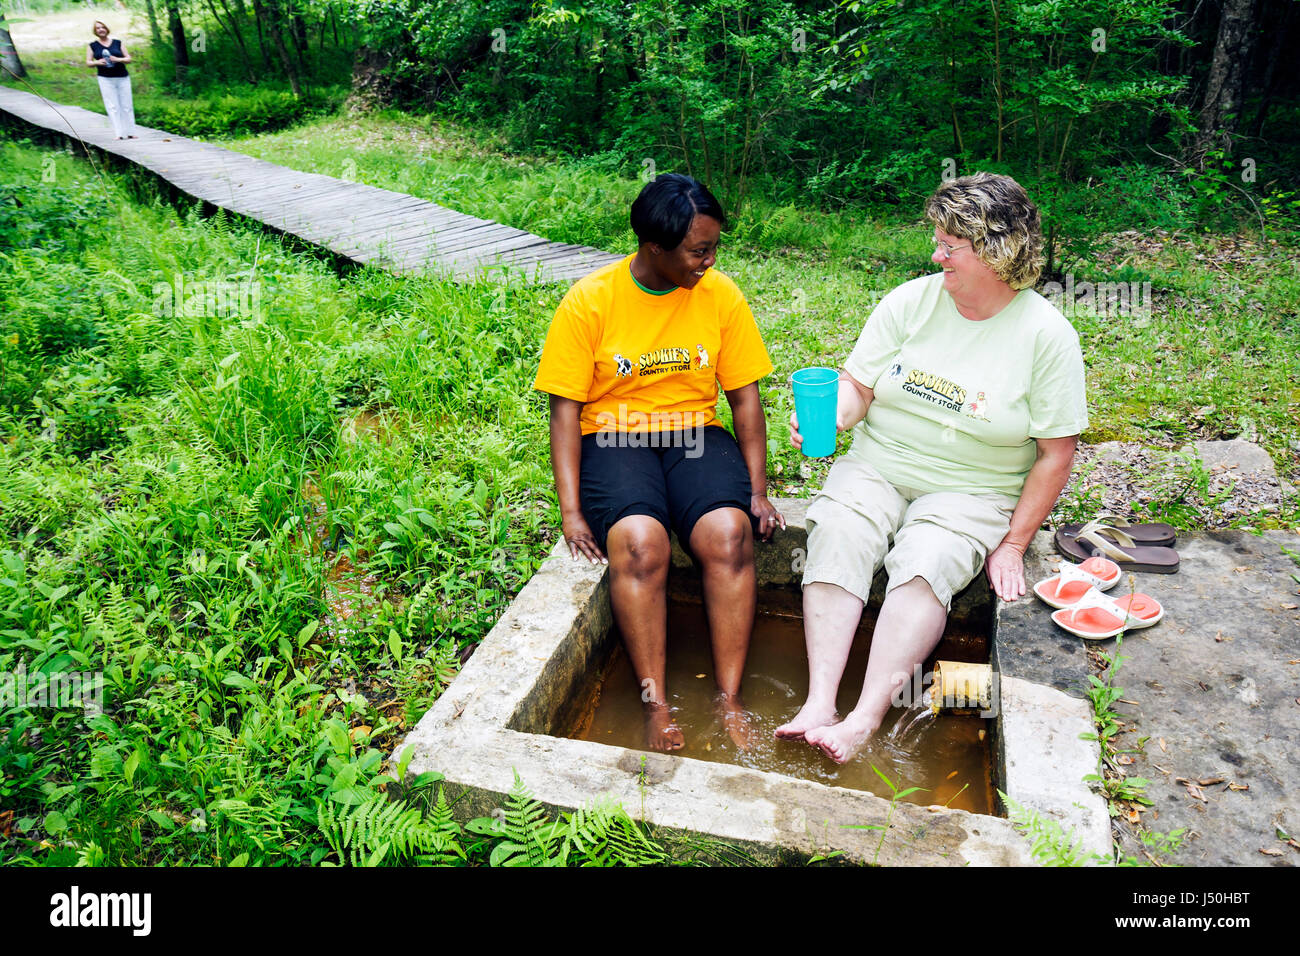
<point>910,625</point>
<point>638,551</point>
<point>723,543</point>
<point>830,619</point>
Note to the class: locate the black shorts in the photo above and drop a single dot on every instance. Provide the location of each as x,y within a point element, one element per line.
<point>677,483</point>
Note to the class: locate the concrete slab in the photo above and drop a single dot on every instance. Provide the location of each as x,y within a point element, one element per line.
<point>1215,691</point>
<point>1214,681</point>
<point>1040,746</point>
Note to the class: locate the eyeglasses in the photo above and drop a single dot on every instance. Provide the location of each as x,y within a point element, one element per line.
<point>945,250</point>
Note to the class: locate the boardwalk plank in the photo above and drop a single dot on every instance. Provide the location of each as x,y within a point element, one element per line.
<point>402,233</point>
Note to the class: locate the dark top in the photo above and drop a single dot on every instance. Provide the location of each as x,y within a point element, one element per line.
<point>115,49</point>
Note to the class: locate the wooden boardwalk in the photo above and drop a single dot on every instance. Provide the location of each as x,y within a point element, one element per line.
<point>376,227</point>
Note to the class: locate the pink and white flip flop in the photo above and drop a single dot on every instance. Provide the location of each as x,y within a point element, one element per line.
<point>1071,582</point>
<point>1096,617</point>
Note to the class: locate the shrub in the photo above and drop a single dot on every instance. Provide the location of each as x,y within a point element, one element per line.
<point>244,110</point>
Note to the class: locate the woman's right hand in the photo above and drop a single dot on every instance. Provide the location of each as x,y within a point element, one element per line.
<point>582,543</point>
<point>795,438</point>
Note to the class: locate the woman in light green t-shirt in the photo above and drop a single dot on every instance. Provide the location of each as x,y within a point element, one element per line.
<point>965,394</point>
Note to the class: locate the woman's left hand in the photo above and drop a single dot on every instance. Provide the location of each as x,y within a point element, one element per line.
<point>1005,567</point>
<point>769,519</point>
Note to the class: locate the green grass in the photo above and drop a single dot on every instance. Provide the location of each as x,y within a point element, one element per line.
<point>173,486</point>
<point>168,483</point>
<point>1218,356</point>
<point>216,100</point>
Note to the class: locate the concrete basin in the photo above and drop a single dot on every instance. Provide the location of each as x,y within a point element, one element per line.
<point>507,708</point>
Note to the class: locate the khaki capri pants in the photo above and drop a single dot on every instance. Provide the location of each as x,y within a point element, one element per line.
<point>942,537</point>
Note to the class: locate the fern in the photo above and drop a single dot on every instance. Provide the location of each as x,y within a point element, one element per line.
<point>250,509</point>
<point>381,829</point>
<point>420,680</point>
<point>441,823</point>
<point>415,610</point>
<point>116,618</point>
<point>91,855</point>
<point>605,835</point>
<point>395,832</point>
<point>528,839</point>
<point>602,834</point>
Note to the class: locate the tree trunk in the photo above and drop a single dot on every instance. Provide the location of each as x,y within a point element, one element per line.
<point>180,49</point>
<point>997,71</point>
<point>271,16</point>
<point>261,35</point>
<point>1269,83</point>
<point>9,62</point>
<point>298,27</point>
<point>1226,86</point>
<point>154,33</point>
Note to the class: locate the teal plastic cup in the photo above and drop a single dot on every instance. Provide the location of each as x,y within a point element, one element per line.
<point>816,395</point>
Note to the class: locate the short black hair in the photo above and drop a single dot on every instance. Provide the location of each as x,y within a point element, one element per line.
<point>666,206</point>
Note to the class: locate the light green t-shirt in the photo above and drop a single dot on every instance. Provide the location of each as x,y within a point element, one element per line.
<point>958,403</point>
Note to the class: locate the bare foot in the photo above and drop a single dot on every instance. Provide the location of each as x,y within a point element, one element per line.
<point>661,731</point>
<point>734,718</point>
<point>808,718</point>
<point>840,741</point>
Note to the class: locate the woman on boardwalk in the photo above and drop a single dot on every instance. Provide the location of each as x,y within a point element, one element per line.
<point>632,363</point>
<point>109,58</point>
<point>966,395</point>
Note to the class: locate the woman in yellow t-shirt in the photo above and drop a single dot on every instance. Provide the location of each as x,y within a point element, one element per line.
<point>632,363</point>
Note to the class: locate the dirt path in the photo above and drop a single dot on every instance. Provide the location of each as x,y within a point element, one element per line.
<point>44,32</point>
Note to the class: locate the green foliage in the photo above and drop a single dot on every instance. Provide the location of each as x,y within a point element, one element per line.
<point>1048,841</point>
<point>895,794</point>
<point>239,110</point>
<point>1110,779</point>
<point>382,831</point>
<point>603,834</point>
<point>1051,845</point>
<point>158,490</point>
<point>79,404</point>
<point>409,829</point>
<point>832,104</point>
<point>523,834</point>
<point>1182,497</point>
<point>53,215</point>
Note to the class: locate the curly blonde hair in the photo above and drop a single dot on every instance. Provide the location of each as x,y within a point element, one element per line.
<point>995,213</point>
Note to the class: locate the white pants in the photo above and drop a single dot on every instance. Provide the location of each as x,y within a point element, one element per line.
<point>116,91</point>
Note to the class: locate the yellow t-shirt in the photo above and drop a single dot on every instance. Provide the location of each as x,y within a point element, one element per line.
<point>645,362</point>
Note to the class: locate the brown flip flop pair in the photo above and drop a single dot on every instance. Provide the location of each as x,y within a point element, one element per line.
<point>1135,548</point>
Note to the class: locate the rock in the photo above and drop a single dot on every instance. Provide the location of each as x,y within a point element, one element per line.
<point>1137,480</point>
<point>1111,450</point>
<point>1241,458</point>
